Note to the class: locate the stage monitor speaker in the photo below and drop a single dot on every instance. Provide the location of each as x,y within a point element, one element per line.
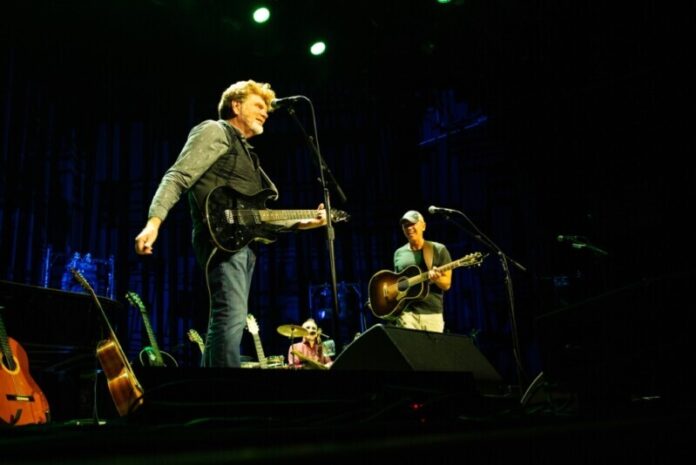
<point>388,348</point>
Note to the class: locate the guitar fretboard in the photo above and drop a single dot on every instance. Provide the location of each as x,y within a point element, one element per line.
<point>135,299</point>
<point>468,260</point>
<point>5,345</point>
<point>259,350</point>
<point>280,215</point>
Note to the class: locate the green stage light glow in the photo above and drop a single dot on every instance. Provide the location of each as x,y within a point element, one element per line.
<point>261,15</point>
<point>317,48</point>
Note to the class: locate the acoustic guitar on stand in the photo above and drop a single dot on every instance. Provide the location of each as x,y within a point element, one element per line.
<point>253,328</point>
<point>390,293</point>
<point>125,390</point>
<point>21,400</point>
<point>150,355</point>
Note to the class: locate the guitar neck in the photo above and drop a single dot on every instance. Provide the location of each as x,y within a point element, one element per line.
<point>281,215</point>
<point>419,278</point>
<point>152,338</point>
<point>259,349</point>
<point>5,345</point>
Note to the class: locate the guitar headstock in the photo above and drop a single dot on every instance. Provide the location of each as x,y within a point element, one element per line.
<point>473,259</point>
<point>135,300</point>
<point>81,280</point>
<point>338,216</point>
<point>252,325</point>
<point>194,336</point>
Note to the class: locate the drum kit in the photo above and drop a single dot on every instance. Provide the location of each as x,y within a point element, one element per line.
<point>291,332</point>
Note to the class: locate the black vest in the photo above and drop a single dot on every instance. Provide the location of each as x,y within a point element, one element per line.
<point>238,168</point>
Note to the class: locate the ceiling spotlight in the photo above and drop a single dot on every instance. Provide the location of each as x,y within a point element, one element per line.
<point>317,48</point>
<point>261,14</point>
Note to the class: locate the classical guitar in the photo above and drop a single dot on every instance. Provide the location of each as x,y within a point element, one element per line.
<point>195,337</point>
<point>253,328</point>
<point>389,292</point>
<point>234,220</point>
<point>21,400</point>
<point>125,390</point>
<point>150,355</point>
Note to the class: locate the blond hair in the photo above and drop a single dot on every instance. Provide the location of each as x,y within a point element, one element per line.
<point>239,91</point>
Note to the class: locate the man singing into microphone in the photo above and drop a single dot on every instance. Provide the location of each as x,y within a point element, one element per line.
<point>426,313</point>
<point>217,154</point>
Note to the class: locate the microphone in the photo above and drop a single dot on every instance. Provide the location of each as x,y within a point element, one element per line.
<point>581,242</point>
<point>562,238</point>
<point>433,210</point>
<point>285,101</point>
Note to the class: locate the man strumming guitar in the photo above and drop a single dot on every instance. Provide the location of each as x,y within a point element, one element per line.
<point>423,313</point>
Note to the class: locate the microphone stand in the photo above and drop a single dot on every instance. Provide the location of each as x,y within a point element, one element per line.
<point>324,172</point>
<point>504,261</point>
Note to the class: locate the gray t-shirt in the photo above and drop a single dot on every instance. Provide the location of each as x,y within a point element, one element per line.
<point>405,257</point>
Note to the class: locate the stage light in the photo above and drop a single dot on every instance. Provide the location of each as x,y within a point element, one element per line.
<point>262,14</point>
<point>317,48</point>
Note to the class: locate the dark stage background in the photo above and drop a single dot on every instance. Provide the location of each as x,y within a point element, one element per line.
<point>536,119</point>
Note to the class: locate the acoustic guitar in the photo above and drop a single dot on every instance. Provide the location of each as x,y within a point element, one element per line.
<point>21,400</point>
<point>389,292</point>
<point>150,355</point>
<point>234,220</point>
<point>125,390</point>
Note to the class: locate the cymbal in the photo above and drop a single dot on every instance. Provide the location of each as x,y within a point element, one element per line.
<point>292,331</point>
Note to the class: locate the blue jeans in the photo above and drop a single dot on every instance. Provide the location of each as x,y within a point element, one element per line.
<point>229,282</point>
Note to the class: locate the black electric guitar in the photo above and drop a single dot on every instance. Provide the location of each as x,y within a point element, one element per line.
<point>253,328</point>
<point>390,293</point>
<point>21,400</point>
<point>150,355</point>
<point>234,220</point>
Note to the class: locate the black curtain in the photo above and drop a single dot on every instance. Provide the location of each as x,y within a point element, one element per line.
<point>535,131</point>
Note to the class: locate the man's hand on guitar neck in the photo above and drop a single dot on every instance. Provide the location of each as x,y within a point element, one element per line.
<point>316,222</point>
<point>442,279</point>
<point>305,223</point>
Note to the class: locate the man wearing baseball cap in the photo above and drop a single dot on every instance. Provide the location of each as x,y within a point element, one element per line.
<point>426,312</point>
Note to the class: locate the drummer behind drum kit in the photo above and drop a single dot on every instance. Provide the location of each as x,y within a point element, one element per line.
<point>289,331</point>
<point>292,331</point>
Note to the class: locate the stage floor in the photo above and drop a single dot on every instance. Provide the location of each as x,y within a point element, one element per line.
<point>193,416</point>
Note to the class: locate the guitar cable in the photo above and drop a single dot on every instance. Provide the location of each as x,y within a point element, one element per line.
<point>210,296</point>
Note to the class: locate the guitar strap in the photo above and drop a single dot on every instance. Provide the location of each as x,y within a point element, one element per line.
<point>428,254</point>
